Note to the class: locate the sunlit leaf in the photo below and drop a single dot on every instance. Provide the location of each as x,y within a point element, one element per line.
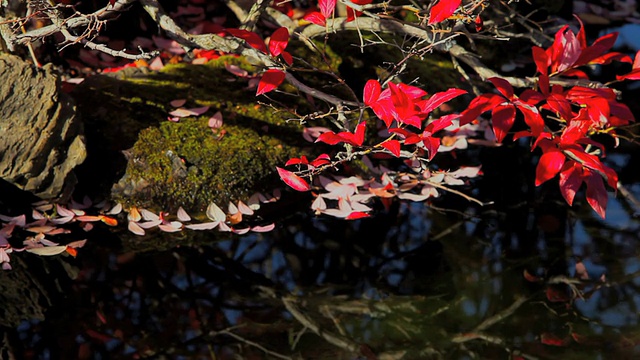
<point>48,250</point>
<point>109,220</point>
<point>327,7</point>
<point>117,209</point>
<point>135,228</point>
<point>443,10</point>
<point>149,224</point>
<point>215,213</point>
<point>148,215</point>
<point>549,165</point>
<point>203,226</point>
<point>265,228</point>
<point>293,180</point>
<point>182,215</point>
<point>171,227</point>
<point>243,208</point>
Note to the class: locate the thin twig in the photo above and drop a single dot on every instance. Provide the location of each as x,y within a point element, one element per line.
<point>337,340</point>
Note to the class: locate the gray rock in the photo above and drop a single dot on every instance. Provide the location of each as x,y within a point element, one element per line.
<point>41,137</point>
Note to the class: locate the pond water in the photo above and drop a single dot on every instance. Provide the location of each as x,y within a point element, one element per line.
<point>524,279</point>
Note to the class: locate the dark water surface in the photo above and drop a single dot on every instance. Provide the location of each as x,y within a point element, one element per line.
<point>528,280</point>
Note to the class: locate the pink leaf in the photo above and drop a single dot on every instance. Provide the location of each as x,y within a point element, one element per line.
<point>135,228</point>
<point>178,102</point>
<point>327,7</point>
<point>236,70</point>
<point>265,228</point>
<point>316,18</point>
<point>216,120</point>
<point>203,226</point>
<point>182,215</point>
<point>442,10</point>
<point>293,180</point>
<point>270,80</point>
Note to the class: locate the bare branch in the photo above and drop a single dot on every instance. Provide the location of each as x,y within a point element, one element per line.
<point>72,23</point>
<point>337,340</point>
<point>256,11</point>
<point>229,45</point>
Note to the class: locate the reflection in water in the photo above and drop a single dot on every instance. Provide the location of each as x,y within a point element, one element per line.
<point>528,282</point>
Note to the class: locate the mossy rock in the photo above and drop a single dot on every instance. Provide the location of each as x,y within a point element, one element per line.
<point>185,163</point>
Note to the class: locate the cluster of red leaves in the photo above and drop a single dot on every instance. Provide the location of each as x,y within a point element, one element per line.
<point>581,111</point>
<point>278,42</point>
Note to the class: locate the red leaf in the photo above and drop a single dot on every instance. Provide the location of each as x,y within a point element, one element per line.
<point>549,165</point>
<point>412,92</point>
<point>316,18</point>
<point>295,161</point>
<point>279,40</point>
<point>560,105</point>
<point>541,59</point>
<point>440,98</point>
<point>371,92</point>
<point>531,278</point>
<point>479,105</point>
<point>327,7</point>
<point>253,39</point>
<point>287,57</point>
<point>633,75</point>
<point>358,137</point>
<point>293,180</point>
<point>550,339</point>
<point>432,144</point>
<point>442,10</point>
<point>357,215</point>
<point>393,146</point>
<point>502,118</point>
<point>330,138</point>
<point>532,118</point>
<point>270,80</point>
<point>355,139</point>
<point>570,180</point>
<point>479,24</point>
<point>598,48</point>
<point>405,108</point>
<point>596,193</point>
<point>503,87</point>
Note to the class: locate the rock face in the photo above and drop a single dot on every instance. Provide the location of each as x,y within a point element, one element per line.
<point>40,135</point>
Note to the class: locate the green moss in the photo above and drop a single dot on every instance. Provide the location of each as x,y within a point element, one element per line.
<point>186,163</point>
